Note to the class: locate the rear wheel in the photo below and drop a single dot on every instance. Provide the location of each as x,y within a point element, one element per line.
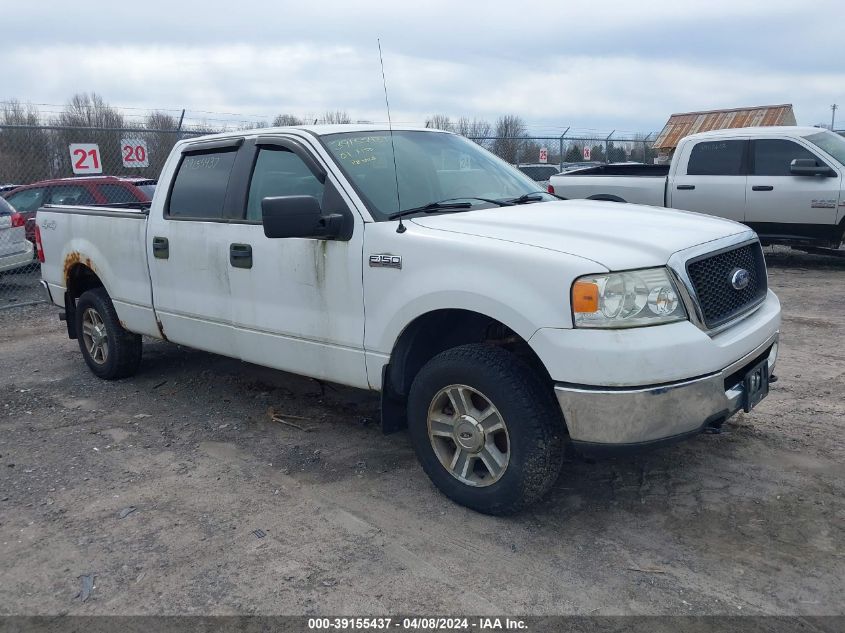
<point>485,428</point>
<point>110,351</point>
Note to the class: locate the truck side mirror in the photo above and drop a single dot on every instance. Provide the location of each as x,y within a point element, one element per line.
<point>298,216</point>
<point>809,167</point>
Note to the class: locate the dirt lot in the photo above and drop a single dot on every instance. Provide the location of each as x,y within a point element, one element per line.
<point>750,521</point>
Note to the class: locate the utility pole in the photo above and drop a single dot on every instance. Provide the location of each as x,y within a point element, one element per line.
<point>833,109</point>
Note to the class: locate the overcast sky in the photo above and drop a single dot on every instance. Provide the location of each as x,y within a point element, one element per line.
<point>590,65</point>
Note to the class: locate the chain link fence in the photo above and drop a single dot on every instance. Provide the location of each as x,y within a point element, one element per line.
<point>565,151</point>
<point>55,164</point>
<point>67,165</point>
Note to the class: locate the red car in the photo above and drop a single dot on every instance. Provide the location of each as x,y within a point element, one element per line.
<point>82,190</point>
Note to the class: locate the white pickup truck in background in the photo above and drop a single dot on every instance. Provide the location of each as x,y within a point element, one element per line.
<point>786,183</point>
<point>499,324</point>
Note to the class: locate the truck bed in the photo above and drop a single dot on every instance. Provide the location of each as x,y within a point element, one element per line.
<point>639,184</point>
<point>621,169</point>
<point>109,241</point>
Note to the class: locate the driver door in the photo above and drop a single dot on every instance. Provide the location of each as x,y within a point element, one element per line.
<point>297,303</point>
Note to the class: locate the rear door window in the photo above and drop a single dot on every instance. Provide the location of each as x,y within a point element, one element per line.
<point>772,157</point>
<point>199,190</point>
<point>717,158</point>
<point>116,194</point>
<point>68,194</point>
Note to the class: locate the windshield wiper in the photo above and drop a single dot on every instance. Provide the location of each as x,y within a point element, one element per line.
<point>449,203</point>
<point>531,196</point>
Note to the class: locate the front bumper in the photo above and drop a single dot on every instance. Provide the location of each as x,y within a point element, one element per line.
<point>619,417</point>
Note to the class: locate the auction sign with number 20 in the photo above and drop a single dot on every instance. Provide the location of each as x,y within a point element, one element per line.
<point>85,158</point>
<point>133,151</point>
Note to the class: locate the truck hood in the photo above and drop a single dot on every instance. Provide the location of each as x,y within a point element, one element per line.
<point>616,235</point>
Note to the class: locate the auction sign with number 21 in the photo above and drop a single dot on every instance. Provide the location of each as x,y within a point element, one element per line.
<point>85,158</point>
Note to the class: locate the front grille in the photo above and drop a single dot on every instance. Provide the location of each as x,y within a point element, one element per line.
<point>711,277</point>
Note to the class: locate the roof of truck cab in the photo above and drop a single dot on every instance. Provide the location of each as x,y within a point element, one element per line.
<point>790,130</point>
<point>316,130</point>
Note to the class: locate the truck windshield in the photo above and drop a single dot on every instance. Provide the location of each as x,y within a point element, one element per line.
<point>831,143</point>
<point>430,166</point>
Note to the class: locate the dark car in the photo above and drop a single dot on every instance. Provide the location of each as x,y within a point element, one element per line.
<point>27,199</point>
<point>539,172</point>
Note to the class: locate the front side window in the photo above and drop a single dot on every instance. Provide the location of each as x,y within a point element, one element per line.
<point>429,167</point>
<point>279,172</point>
<point>27,200</point>
<point>68,194</point>
<point>199,190</point>
<point>831,143</point>
<point>717,158</point>
<point>773,157</point>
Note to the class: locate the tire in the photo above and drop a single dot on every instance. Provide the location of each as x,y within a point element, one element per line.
<point>531,445</point>
<point>122,354</point>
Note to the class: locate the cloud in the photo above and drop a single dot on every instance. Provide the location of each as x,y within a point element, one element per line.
<point>619,65</point>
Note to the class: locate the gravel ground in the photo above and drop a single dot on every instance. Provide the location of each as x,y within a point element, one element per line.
<point>225,511</point>
<point>20,286</point>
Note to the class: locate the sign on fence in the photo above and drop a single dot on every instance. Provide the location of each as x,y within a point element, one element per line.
<point>544,154</point>
<point>587,153</point>
<point>85,158</point>
<point>134,153</point>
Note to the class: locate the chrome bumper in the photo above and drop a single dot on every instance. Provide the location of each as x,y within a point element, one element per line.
<point>640,415</point>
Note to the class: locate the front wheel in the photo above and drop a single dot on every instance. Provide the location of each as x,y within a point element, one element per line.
<point>110,351</point>
<point>485,428</point>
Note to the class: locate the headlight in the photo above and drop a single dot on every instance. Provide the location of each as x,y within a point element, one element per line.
<point>629,299</point>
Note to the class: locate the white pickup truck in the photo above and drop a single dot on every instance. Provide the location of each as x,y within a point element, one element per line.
<point>786,183</point>
<point>500,325</point>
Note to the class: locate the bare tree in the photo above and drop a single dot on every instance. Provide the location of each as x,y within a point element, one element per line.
<point>98,123</point>
<point>89,110</point>
<point>529,152</point>
<point>475,129</point>
<point>286,119</point>
<point>24,151</point>
<point>439,122</point>
<point>510,132</point>
<point>337,116</point>
<point>161,136</point>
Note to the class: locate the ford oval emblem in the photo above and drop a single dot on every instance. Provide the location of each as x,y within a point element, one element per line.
<point>740,278</point>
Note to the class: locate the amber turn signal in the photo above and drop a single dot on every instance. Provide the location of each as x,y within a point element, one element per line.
<point>585,297</point>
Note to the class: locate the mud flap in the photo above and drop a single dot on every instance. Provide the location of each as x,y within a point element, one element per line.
<point>394,408</point>
<point>69,316</point>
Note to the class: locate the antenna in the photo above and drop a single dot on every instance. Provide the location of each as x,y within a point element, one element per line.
<point>401,228</point>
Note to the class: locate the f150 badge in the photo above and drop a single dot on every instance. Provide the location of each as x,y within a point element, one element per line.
<point>385,260</point>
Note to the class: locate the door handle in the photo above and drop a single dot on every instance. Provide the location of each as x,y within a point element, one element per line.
<point>240,255</point>
<point>161,248</point>
<point>686,187</point>
<point>762,188</point>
